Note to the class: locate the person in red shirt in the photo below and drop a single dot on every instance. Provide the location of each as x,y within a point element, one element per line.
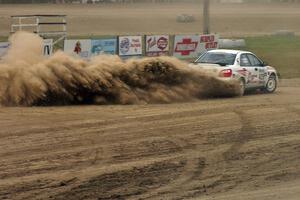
<point>77,48</point>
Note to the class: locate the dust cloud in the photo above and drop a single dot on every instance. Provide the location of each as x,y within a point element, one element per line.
<point>29,79</point>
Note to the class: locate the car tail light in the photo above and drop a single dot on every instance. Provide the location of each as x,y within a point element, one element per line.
<point>226,73</point>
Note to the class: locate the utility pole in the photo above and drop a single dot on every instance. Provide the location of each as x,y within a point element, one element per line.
<point>206,27</point>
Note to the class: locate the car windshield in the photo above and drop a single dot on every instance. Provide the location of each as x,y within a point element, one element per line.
<point>220,58</point>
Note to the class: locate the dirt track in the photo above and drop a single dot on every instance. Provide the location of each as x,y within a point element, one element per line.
<point>240,148</point>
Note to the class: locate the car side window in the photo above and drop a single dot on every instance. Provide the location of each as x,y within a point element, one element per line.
<point>254,60</point>
<point>244,61</point>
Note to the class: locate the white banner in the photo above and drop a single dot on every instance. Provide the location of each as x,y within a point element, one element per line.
<point>104,46</point>
<point>3,48</point>
<point>130,45</point>
<point>191,46</point>
<point>48,47</point>
<point>157,45</point>
<point>207,42</point>
<point>80,48</point>
<point>185,46</point>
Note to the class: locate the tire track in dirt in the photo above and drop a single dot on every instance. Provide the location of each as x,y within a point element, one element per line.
<point>126,183</point>
<point>123,120</point>
<point>233,157</point>
<point>227,159</point>
<point>293,109</point>
<point>244,135</point>
<point>193,169</point>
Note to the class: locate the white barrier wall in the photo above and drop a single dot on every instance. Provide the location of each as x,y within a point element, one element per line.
<point>231,43</point>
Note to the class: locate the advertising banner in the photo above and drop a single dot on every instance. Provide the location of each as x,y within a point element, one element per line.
<point>3,48</point>
<point>80,48</point>
<point>157,45</point>
<point>130,45</point>
<point>48,47</point>
<point>104,46</point>
<point>207,42</point>
<point>186,46</point>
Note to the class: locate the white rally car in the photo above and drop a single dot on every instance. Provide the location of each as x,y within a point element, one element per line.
<point>244,66</point>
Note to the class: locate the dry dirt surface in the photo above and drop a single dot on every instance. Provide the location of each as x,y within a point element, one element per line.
<point>239,148</point>
<point>226,19</point>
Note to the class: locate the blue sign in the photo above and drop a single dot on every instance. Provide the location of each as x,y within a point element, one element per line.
<point>3,48</point>
<point>104,46</point>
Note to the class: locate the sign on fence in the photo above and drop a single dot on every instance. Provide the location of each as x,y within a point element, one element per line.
<point>48,47</point>
<point>157,45</point>
<point>191,46</point>
<point>208,42</point>
<point>185,46</point>
<point>104,46</point>
<point>3,48</point>
<point>81,48</point>
<point>130,45</point>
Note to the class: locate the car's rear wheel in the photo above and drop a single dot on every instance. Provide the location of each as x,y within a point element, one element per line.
<point>271,84</point>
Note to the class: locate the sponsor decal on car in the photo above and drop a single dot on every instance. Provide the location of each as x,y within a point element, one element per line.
<point>243,72</point>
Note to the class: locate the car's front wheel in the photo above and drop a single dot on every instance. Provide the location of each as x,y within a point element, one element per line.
<point>271,84</point>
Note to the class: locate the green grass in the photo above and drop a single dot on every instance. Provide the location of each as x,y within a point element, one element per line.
<point>281,52</point>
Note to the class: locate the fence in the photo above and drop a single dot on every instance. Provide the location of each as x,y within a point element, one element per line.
<point>180,46</point>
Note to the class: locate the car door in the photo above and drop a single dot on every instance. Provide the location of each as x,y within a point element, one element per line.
<point>260,71</point>
<point>249,71</point>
